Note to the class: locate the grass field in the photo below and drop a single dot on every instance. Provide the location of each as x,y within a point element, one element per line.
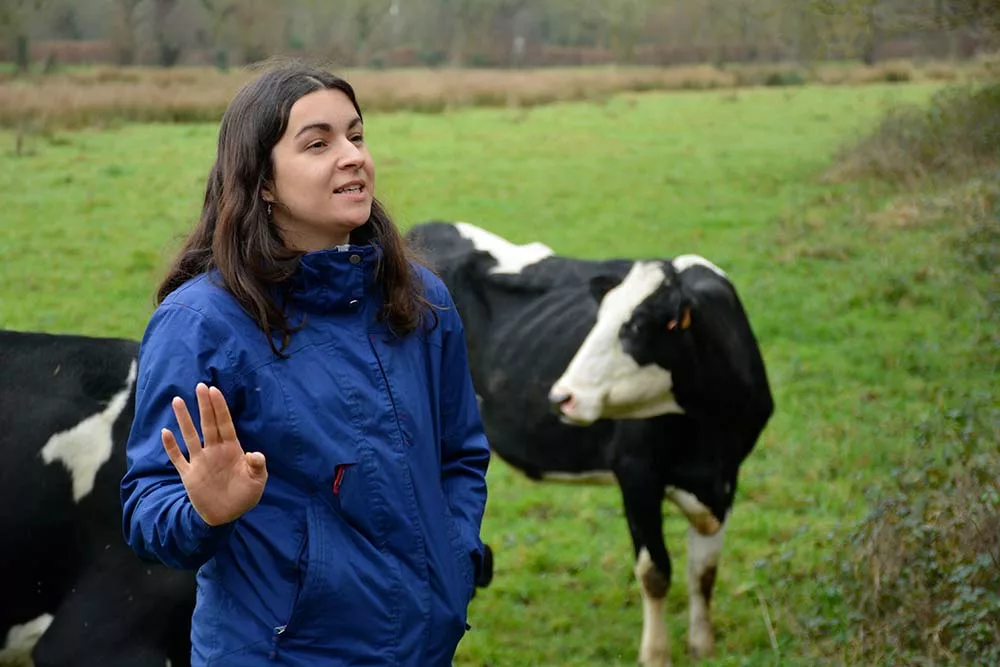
<point>866,323</point>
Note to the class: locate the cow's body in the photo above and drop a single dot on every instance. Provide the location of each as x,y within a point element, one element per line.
<point>531,326</point>
<point>69,585</point>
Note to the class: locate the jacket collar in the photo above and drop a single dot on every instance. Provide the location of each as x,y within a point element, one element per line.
<point>338,278</point>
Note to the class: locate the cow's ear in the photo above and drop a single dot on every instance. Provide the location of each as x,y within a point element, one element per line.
<point>681,322</point>
<point>601,285</point>
<point>682,319</point>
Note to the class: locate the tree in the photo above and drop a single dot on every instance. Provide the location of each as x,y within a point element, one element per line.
<point>219,13</point>
<point>123,31</point>
<point>979,15</point>
<point>15,22</point>
<point>168,51</point>
<point>65,20</point>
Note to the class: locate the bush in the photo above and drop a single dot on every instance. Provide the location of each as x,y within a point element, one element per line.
<point>981,244</point>
<point>958,134</point>
<point>920,575</point>
<point>922,572</point>
<point>788,78</point>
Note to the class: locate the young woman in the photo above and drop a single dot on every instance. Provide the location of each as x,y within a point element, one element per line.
<point>306,433</point>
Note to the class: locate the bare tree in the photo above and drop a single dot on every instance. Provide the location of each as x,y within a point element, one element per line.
<point>168,50</point>
<point>123,40</point>
<point>219,13</point>
<point>65,20</point>
<point>15,22</point>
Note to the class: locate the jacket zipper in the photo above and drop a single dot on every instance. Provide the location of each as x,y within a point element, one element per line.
<point>388,390</point>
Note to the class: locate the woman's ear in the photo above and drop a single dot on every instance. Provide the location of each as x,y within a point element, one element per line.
<point>266,194</point>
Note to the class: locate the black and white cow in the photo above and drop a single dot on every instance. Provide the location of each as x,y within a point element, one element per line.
<point>71,591</point>
<point>644,373</point>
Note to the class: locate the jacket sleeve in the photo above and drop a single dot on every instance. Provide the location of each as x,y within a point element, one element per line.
<point>178,350</point>
<point>465,451</point>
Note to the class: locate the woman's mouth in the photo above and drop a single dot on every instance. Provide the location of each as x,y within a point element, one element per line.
<point>350,189</point>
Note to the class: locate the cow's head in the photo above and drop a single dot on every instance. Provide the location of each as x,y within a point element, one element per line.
<point>623,367</point>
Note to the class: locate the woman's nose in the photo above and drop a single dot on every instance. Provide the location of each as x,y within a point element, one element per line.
<point>350,156</point>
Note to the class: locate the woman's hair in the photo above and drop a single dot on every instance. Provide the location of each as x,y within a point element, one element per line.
<point>235,234</point>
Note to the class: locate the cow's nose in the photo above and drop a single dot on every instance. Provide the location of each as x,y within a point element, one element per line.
<point>560,400</point>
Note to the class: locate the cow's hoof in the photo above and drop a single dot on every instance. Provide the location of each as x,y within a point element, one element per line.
<point>700,643</point>
<point>655,657</point>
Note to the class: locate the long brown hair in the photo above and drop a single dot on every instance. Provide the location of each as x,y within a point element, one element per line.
<point>235,234</point>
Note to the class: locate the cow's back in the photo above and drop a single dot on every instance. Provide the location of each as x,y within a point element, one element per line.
<point>66,406</point>
<point>51,385</point>
<point>522,328</point>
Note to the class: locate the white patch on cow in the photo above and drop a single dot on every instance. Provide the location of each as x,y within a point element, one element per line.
<point>698,515</point>
<point>682,262</point>
<point>510,257</point>
<point>703,555</point>
<point>21,639</point>
<point>87,446</point>
<point>588,477</point>
<point>602,380</point>
<point>654,649</point>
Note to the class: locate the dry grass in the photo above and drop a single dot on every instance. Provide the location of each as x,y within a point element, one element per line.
<point>178,95</point>
<point>103,95</point>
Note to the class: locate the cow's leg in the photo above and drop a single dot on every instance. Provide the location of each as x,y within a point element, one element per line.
<point>705,537</point>
<point>703,563</point>
<point>643,508</point>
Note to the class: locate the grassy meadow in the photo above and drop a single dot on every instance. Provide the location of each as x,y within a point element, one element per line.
<point>867,323</point>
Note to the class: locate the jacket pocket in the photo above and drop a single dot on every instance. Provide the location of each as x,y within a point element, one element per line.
<point>354,491</point>
<point>462,557</point>
<point>302,570</point>
<point>345,485</point>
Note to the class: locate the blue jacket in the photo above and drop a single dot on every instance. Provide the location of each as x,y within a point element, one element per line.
<point>364,547</point>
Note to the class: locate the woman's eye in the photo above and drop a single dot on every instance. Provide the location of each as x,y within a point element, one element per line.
<point>357,139</point>
<point>316,144</point>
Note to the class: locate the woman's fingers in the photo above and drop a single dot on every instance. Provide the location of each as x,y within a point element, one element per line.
<point>257,463</point>
<point>173,451</point>
<point>209,421</point>
<point>188,431</point>
<point>214,416</point>
<point>223,419</point>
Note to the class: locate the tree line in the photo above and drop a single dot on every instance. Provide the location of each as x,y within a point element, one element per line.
<point>492,33</point>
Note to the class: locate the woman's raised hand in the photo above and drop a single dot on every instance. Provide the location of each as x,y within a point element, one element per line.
<point>222,481</point>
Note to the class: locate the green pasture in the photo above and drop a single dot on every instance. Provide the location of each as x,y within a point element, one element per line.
<point>866,323</point>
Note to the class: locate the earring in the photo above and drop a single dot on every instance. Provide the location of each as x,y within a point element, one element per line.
<point>269,209</point>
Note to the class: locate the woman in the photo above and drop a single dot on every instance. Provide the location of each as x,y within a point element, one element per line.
<point>332,500</point>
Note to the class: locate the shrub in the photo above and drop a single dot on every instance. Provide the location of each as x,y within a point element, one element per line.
<point>958,134</point>
<point>787,78</point>
<point>922,571</point>
<point>920,574</point>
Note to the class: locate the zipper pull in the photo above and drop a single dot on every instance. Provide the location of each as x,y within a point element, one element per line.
<point>338,477</point>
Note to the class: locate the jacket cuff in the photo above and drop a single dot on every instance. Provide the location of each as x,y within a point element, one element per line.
<point>203,537</point>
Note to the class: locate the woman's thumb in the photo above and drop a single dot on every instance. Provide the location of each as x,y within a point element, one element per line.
<point>256,462</point>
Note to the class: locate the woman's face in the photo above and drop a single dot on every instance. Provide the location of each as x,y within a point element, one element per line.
<point>324,179</point>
